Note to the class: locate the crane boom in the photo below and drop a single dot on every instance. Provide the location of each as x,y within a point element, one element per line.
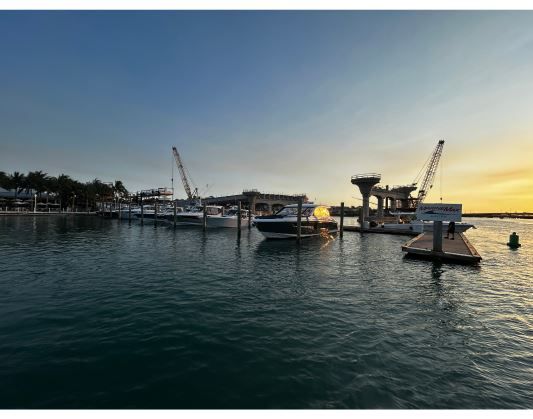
<point>427,181</point>
<point>185,181</point>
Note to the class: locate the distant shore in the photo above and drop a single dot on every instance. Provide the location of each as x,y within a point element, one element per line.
<point>522,215</point>
<point>42,214</point>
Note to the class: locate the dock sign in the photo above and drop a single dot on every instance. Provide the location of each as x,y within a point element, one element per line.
<point>439,212</point>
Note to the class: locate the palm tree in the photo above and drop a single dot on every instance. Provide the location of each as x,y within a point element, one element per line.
<point>4,180</point>
<point>17,182</point>
<point>120,189</point>
<point>37,181</point>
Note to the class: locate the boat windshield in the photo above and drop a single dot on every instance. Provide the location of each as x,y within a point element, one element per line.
<point>293,211</point>
<point>213,210</point>
<point>235,212</point>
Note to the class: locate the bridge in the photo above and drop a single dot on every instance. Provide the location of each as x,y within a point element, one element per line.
<point>258,202</point>
<point>395,195</point>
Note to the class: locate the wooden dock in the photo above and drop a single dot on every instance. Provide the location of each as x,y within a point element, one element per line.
<point>459,250</point>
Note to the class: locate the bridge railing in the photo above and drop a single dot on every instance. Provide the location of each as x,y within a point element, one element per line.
<point>367,176</point>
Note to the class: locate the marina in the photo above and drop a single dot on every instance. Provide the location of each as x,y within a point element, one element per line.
<point>266,209</point>
<point>181,318</point>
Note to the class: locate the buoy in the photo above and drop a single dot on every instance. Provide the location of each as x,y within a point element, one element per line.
<point>514,241</point>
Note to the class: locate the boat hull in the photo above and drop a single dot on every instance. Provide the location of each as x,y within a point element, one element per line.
<point>425,227</point>
<point>227,222</point>
<point>289,229</point>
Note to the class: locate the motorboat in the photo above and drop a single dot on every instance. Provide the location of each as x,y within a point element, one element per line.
<point>195,215</point>
<point>147,212</point>
<point>315,221</point>
<point>230,219</point>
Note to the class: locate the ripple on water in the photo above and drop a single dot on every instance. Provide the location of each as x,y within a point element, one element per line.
<point>95,313</point>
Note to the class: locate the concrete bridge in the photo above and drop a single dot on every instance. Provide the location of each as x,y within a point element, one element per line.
<point>399,197</point>
<point>259,202</point>
<point>368,185</point>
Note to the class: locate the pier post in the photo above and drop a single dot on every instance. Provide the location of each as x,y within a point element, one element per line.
<point>342,220</point>
<point>239,215</point>
<point>175,209</point>
<point>299,220</point>
<point>155,212</point>
<point>380,207</point>
<point>365,182</point>
<point>205,218</point>
<point>129,211</point>
<point>437,236</point>
<point>142,211</point>
<point>119,210</point>
<point>252,199</point>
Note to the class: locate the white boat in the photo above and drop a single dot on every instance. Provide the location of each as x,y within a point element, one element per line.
<point>147,213</point>
<point>195,215</point>
<point>230,219</point>
<point>405,222</point>
<point>315,221</point>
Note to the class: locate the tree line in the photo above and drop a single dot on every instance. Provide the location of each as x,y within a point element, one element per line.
<point>62,189</point>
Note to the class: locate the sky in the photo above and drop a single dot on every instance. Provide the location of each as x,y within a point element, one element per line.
<point>283,102</point>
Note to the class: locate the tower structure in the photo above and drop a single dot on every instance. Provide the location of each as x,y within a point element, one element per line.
<point>366,182</point>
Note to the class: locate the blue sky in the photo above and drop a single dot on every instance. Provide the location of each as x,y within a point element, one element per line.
<point>280,101</point>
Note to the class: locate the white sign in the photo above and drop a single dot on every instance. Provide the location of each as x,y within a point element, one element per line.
<point>439,212</point>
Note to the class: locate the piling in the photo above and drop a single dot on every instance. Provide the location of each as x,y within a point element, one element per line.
<point>342,220</point>
<point>250,215</point>
<point>205,218</point>
<point>119,210</point>
<point>175,209</point>
<point>142,211</point>
<point>129,211</point>
<point>239,217</point>
<point>437,236</point>
<point>299,221</point>
<point>155,212</point>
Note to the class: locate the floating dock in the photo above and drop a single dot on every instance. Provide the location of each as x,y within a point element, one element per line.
<point>459,250</point>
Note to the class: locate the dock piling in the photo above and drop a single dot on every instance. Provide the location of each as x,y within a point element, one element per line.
<point>239,217</point>
<point>205,218</point>
<point>175,209</point>
<point>299,220</point>
<point>437,236</point>
<point>342,220</point>
<point>142,211</point>
<point>129,211</point>
<point>155,212</point>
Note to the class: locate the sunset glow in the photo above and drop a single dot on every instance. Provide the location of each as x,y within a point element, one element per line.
<point>289,102</point>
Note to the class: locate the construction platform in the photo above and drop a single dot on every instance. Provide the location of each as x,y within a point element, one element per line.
<point>459,250</point>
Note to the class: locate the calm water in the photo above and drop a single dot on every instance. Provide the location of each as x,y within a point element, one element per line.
<point>99,314</point>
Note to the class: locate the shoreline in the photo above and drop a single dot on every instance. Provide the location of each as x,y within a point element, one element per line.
<point>43,214</point>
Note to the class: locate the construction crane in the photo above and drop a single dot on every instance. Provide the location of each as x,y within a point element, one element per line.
<point>191,195</point>
<point>431,169</point>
